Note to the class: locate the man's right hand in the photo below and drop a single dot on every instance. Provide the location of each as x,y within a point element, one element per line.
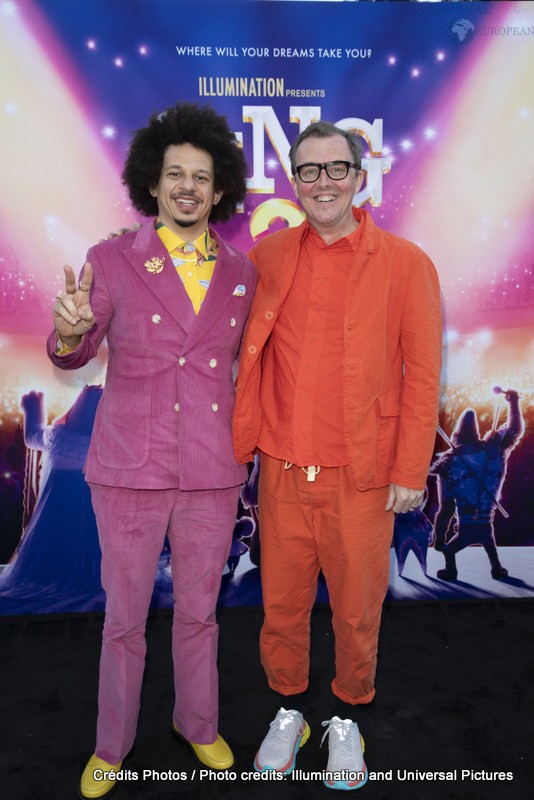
<point>73,315</point>
<point>121,231</point>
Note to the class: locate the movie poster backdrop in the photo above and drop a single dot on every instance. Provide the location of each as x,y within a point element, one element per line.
<point>442,97</point>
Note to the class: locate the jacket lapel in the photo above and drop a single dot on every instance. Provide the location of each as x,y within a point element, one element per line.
<point>226,277</point>
<point>147,255</point>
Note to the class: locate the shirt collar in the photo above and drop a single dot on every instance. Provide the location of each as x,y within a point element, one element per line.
<point>352,239</point>
<point>205,244</point>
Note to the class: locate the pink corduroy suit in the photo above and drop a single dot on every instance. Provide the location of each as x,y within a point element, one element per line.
<point>161,463</point>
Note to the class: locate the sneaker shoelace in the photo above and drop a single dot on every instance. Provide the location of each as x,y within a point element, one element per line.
<point>282,728</point>
<point>342,731</point>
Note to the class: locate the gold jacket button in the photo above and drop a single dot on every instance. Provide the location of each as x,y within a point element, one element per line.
<point>252,349</point>
<point>269,315</point>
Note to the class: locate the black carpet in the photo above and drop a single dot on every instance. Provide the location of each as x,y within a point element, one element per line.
<point>454,692</point>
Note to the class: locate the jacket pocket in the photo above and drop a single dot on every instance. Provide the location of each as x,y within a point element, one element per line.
<point>122,432</point>
<point>388,429</point>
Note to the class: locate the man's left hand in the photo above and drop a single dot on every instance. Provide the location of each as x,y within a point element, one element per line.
<point>402,499</point>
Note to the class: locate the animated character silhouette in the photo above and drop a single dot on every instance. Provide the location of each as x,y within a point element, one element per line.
<point>12,464</point>
<point>243,530</point>
<point>57,563</point>
<point>412,531</point>
<point>470,478</point>
<point>248,499</point>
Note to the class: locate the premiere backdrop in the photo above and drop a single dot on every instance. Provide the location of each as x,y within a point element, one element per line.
<point>443,99</point>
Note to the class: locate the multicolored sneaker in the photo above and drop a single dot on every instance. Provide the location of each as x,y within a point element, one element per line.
<point>346,768</point>
<point>287,733</point>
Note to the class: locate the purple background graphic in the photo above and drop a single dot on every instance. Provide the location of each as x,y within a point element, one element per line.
<point>442,97</point>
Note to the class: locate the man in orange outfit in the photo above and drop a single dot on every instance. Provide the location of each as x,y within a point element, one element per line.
<point>338,389</point>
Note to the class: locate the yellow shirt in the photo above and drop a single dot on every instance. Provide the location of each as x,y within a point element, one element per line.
<point>194,261</point>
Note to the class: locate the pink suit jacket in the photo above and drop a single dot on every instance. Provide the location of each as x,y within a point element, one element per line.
<point>164,420</point>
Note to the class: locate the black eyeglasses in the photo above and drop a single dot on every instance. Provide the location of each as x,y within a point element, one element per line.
<point>336,170</point>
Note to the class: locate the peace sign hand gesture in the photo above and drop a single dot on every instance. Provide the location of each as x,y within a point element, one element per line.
<point>72,312</point>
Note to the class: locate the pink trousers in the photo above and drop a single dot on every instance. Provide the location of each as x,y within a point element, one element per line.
<point>132,525</point>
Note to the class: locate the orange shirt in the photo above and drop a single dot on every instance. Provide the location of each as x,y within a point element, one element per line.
<point>301,391</point>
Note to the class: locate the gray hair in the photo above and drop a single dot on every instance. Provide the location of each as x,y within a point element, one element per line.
<point>325,130</point>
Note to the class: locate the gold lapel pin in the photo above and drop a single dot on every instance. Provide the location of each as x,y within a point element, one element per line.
<point>155,265</point>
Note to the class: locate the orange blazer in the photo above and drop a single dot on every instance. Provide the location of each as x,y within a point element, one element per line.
<point>392,358</point>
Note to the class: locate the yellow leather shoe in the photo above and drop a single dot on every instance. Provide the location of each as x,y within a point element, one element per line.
<point>215,756</point>
<point>97,778</point>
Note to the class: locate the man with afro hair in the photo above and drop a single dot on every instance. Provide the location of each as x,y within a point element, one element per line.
<point>172,299</point>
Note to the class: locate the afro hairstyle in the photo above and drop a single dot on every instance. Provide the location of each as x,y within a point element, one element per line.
<point>203,128</point>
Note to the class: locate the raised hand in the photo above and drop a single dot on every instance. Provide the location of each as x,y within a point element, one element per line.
<point>509,394</point>
<point>72,311</point>
<point>33,406</point>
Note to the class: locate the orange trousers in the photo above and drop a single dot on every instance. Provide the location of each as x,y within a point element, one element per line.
<point>323,525</point>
